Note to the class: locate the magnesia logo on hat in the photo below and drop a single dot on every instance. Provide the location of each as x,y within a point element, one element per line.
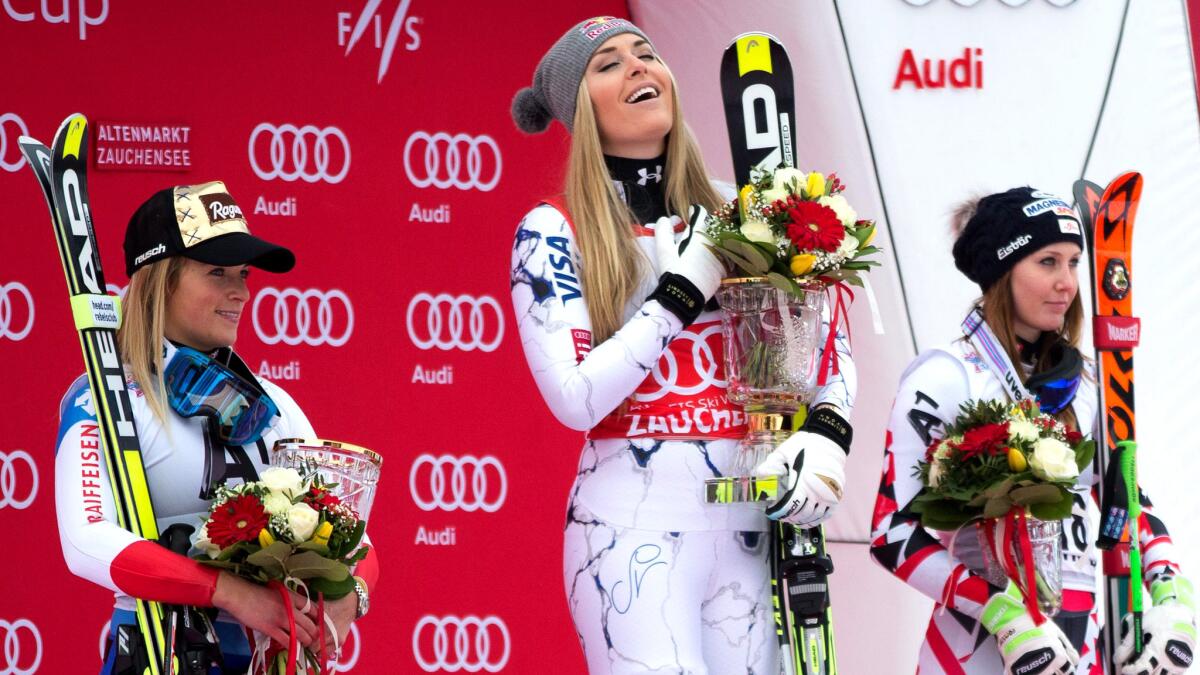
<point>594,28</point>
<point>1058,206</point>
<point>207,211</point>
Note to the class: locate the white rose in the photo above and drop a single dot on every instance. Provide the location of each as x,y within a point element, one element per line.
<point>286,481</point>
<point>757,230</point>
<point>276,502</point>
<point>1022,430</point>
<point>848,247</point>
<point>1053,460</point>
<point>780,185</point>
<point>841,207</point>
<point>205,544</point>
<point>302,520</point>
<point>935,472</point>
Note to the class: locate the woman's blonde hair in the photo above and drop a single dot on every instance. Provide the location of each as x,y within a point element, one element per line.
<point>142,328</point>
<point>612,262</point>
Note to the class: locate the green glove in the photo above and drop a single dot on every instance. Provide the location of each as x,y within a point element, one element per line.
<point>1168,630</point>
<point>1025,646</point>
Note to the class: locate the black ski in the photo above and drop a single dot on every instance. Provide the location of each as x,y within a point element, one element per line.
<point>62,174</point>
<point>757,90</point>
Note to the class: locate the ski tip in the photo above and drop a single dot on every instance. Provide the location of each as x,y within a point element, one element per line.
<point>754,34</point>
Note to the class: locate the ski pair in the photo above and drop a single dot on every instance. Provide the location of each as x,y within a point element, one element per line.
<point>760,112</point>
<point>62,174</point>
<point>1108,217</point>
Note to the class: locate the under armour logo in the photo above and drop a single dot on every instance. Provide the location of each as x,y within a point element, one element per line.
<point>646,176</point>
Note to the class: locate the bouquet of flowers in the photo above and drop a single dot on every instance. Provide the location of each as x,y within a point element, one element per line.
<point>286,529</point>
<point>793,227</point>
<point>1011,468</point>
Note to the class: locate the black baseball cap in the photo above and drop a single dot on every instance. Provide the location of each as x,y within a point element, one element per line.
<point>1008,226</point>
<point>201,222</point>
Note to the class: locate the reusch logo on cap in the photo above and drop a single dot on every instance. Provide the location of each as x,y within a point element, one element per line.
<point>221,207</point>
<point>152,252</point>
<point>600,25</point>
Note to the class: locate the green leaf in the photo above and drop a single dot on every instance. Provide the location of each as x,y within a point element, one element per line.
<point>1085,453</point>
<point>867,251</point>
<point>999,489</point>
<point>863,233</point>
<point>308,565</point>
<point>1042,493</point>
<point>332,590</point>
<point>348,543</point>
<point>271,558</point>
<point>760,261</point>
<point>945,515</point>
<point>1057,510</point>
<point>785,284</point>
<point>320,549</point>
<point>358,555</point>
<point>738,262</point>
<point>996,507</point>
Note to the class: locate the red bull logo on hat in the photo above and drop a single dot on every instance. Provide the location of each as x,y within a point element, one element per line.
<point>594,28</point>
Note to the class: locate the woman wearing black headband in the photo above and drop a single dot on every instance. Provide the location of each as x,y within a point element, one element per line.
<point>1023,248</point>
<point>188,252</point>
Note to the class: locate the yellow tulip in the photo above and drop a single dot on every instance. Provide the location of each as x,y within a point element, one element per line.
<point>816,185</point>
<point>744,200</point>
<point>264,538</point>
<point>803,263</point>
<point>1016,460</point>
<point>321,536</point>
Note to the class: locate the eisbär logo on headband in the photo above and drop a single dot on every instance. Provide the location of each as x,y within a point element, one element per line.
<point>600,25</point>
<point>1012,246</point>
<point>220,207</point>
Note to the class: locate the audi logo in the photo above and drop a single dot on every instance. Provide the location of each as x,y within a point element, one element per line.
<point>468,643</point>
<point>347,657</point>
<point>694,375</point>
<point>17,660</point>
<point>455,322</point>
<point>18,158</point>
<point>445,485</point>
<point>311,317</point>
<point>10,317</point>
<point>17,493</point>
<point>445,161</point>
<point>290,153</point>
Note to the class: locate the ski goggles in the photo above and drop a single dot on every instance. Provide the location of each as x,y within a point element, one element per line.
<point>1055,388</point>
<point>198,385</point>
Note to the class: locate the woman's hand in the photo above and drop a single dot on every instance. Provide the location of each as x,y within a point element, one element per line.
<point>342,613</point>
<point>262,609</point>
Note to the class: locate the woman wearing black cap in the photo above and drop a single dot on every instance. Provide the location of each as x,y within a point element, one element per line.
<point>1022,247</point>
<point>188,253</point>
<point>610,286</point>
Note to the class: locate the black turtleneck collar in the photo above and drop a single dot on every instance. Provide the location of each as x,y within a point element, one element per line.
<point>641,184</point>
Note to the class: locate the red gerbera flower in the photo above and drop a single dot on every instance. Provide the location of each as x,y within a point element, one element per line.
<point>239,519</point>
<point>814,226</point>
<point>989,438</point>
<point>321,499</point>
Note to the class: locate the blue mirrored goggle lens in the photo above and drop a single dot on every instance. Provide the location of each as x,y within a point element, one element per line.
<point>1055,395</point>
<point>196,386</point>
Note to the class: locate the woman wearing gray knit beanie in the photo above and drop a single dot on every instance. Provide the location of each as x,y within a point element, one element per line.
<point>611,284</point>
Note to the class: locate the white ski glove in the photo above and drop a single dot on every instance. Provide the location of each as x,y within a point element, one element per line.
<point>812,466</point>
<point>688,256</point>
<point>1168,630</point>
<point>1025,646</point>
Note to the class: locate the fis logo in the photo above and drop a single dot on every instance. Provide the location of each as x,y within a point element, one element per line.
<point>1012,246</point>
<point>370,19</point>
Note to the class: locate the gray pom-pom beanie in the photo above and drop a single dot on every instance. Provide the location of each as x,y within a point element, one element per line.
<point>556,80</point>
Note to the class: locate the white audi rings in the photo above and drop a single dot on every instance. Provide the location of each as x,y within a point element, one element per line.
<point>13,492</point>
<point>452,161</point>
<point>455,322</point>
<point>310,320</point>
<point>8,292</point>
<point>475,641</point>
<point>6,141</point>
<point>298,166</point>
<point>446,486</point>
<point>15,662</point>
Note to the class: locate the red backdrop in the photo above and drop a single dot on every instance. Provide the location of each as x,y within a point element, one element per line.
<point>391,167</point>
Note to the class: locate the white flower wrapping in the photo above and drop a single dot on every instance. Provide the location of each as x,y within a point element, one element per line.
<point>302,519</point>
<point>287,481</point>
<point>1022,430</point>
<point>1053,460</point>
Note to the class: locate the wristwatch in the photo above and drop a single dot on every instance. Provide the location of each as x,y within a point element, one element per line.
<point>364,602</point>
